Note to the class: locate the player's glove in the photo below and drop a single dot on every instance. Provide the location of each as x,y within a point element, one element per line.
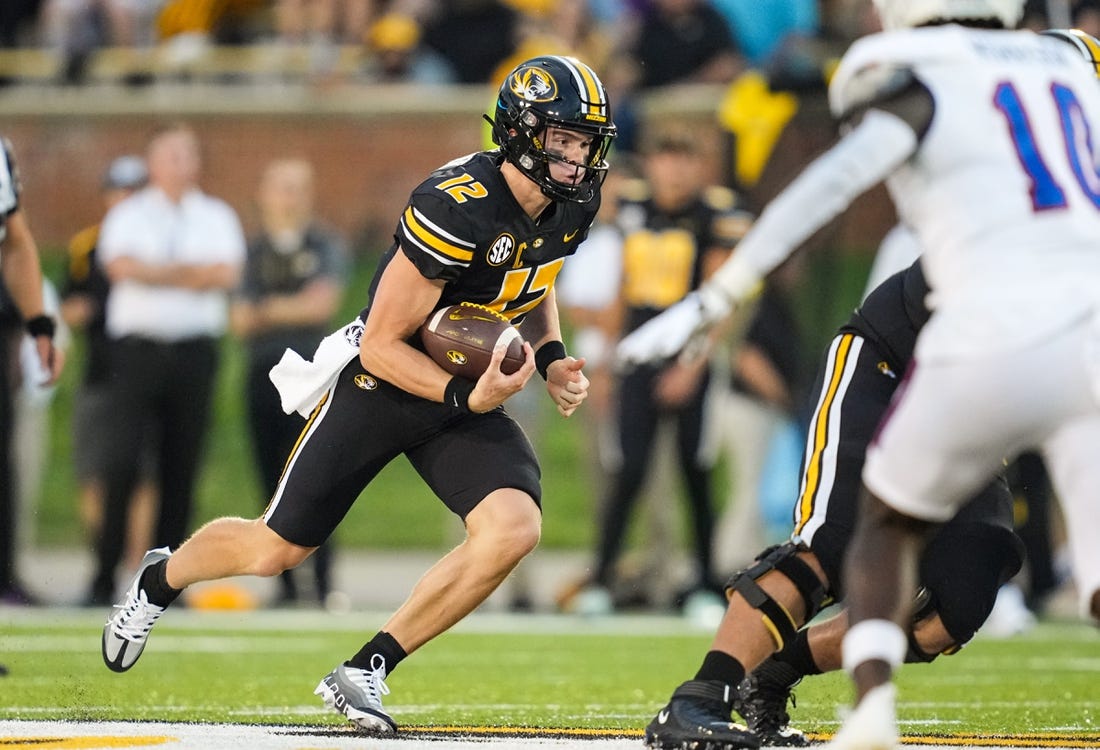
<point>674,329</point>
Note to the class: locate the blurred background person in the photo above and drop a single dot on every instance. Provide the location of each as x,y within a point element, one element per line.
<point>757,423</point>
<point>22,278</point>
<point>172,254</point>
<point>473,36</point>
<point>290,292</point>
<point>683,41</point>
<point>1086,16</point>
<point>396,53</point>
<point>75,29</point>
<point>84,308</point>
<point>563,27</point>
<point>759,28</point>
<point>322,26</point>
<point>676,229</point>
<point>588,292</point>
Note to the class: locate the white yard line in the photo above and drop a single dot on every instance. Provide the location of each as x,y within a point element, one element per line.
<point>55,735</point>
<point>41,735</point>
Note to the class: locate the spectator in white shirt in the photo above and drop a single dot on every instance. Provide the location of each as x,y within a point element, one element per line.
<point>172,254</point>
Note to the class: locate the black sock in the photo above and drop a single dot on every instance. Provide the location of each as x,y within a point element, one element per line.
<point>797,654</point>
<point>385,645</point>
<point>720,666</point>
<point>154,582</point>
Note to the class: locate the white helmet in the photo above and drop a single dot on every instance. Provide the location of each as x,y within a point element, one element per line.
<point>901,14</point>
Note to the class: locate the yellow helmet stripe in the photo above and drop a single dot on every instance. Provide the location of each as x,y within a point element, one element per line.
<point>421,232</point>
<point>594,100</point>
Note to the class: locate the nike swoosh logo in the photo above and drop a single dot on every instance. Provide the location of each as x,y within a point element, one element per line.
<point>570,235</point>
<point>662,717</point>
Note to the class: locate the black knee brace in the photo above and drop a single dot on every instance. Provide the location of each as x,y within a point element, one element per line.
<point>783,558</point>
<point>963,572</point>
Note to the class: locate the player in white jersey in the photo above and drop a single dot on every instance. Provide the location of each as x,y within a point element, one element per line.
<point>985,137</point>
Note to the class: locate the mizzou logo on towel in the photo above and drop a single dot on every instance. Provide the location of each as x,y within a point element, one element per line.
<point>353,333</point>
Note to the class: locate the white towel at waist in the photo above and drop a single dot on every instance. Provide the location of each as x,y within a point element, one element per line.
<point>301,383</point>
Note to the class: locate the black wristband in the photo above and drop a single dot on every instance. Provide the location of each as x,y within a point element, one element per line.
<point>41,325</point>
<point>457,393</point>
<point>547,354</point>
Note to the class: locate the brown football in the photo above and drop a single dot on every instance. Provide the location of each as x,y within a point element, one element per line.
<point>461,339</point>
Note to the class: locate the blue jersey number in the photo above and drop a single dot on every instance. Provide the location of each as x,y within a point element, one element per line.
<point>1045,191</point>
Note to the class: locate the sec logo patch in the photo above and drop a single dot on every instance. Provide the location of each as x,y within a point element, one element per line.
<point>501,249</point>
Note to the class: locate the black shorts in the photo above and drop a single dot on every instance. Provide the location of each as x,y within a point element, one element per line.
<point>362,424</point>
<point>853,392</point>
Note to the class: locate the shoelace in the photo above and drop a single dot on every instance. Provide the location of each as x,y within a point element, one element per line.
<point>372,680</point>
<point>769,706</point>
<point>136,618</point>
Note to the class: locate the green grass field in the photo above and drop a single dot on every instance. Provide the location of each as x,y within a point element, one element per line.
<point>550,672</point>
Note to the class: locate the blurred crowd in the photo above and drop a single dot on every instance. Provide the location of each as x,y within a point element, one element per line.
<point>634,43</point>
<point>642,43</point>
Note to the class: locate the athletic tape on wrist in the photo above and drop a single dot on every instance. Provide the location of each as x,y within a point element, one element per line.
<point>457,393</point>
<point>547,354</point>
<point>880,640</point>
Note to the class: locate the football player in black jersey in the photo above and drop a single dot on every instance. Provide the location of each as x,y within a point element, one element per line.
<point>492,228</point>
<point>961,570</point>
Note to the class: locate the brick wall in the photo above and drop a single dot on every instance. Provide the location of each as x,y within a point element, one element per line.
<point>369,148</point>
<point>365,167</point>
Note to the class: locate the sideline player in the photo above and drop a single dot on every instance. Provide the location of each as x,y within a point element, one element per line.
<point>493,228</point>
<point>985,138</point>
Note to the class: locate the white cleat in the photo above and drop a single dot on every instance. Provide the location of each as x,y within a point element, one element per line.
<point>127,629</point>
<point>357,694</point>
<point>872,725</point>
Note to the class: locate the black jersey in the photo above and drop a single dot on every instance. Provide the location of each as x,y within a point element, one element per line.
<point>892,316</point>
<point>271,270</point>
<point>663,251</point>
<point>463,225</point>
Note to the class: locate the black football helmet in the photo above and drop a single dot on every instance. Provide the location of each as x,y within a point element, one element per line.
<point>552,91</point>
